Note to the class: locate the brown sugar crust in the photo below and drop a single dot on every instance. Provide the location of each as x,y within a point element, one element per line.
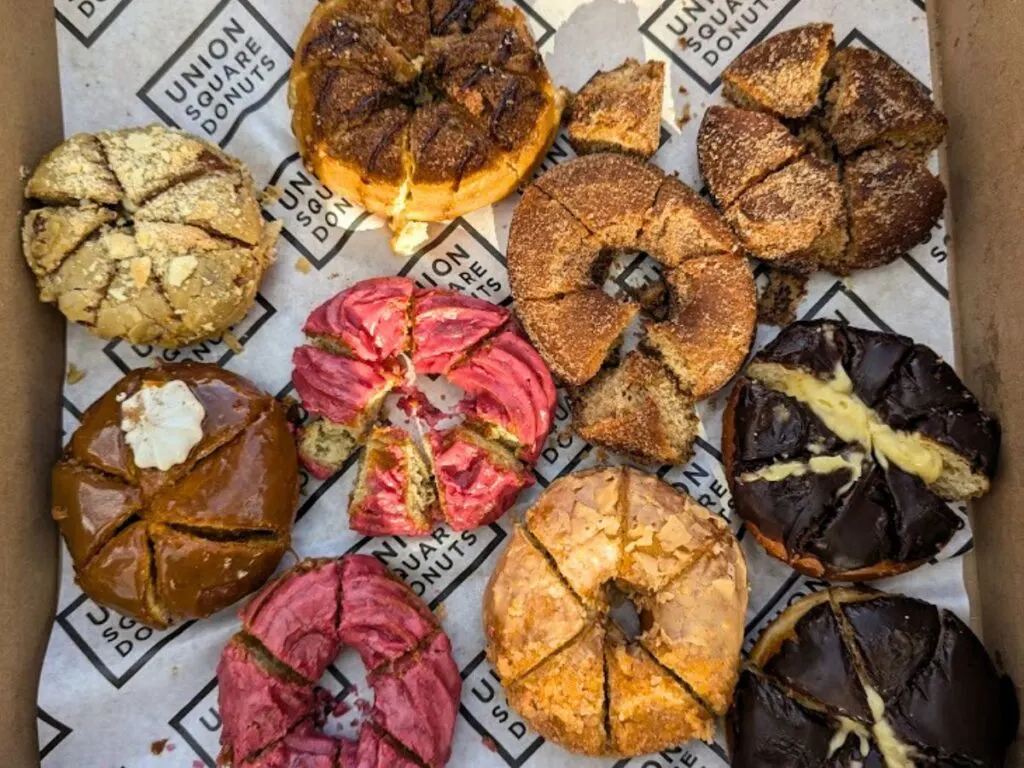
<point>770,178</point>
<point>619,110</point>
<point>642,538</point>
<point>737,148</point>
<point>418,113</point>
<point>782,75</point>
<point>564,232</point>
<point>894,201</point>
<point>146,234</point>
<point>163,546</point>
<point>795,218</point>
<point>874,101</point>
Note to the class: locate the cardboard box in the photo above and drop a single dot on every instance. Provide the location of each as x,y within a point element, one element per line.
<point>979,76</point>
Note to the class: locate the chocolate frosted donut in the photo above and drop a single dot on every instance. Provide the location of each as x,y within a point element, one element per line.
<point>842,447</point>
<point>270,705</point>
<point>856,677</point>
<point>590,541</point>
<point>373,339</point>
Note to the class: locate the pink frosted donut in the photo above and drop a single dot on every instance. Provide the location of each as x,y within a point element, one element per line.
<point>270,706</point>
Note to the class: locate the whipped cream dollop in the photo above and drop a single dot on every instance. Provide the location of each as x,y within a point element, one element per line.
<point>162,423</point>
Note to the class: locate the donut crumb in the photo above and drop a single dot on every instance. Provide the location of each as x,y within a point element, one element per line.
<point>75,374</point>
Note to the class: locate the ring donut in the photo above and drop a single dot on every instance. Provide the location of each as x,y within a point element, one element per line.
<point>270,705</point>
<point>590,540</point>
<point>562,236</point>
<point>369,341</point>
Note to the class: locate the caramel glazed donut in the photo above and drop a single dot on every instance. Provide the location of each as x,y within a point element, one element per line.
<point>176,494</point>
<point>367,342</point>
<point>591,541</point>
<point>270,705</point>
<point>842,447</point>
<point>421,110</point>
<point>853,677</point>
<point>563,234</point>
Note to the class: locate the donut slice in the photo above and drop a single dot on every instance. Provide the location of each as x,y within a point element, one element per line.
<point>446,325</point>
<point>529,612</point>
<point>573,715</point>
<point>369,321</point>
<point>393,493</point>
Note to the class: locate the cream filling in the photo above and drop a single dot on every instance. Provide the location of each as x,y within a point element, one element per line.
<point>846,727</point>
<point>817,465</point>
<point>851,420</point>
<point>896,753</point>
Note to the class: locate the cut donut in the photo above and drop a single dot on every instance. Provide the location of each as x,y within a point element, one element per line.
<point>271,716</point>
<point>842,445</point>
<point>563,235</point>
<point>854,115</point>
<point>373,339</point>
<point>609,533</point>
<point>784,74</point>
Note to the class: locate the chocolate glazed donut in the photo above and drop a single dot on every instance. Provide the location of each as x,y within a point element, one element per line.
<point>857,677</point>
<point>843,446</point>
<point>270,705</point>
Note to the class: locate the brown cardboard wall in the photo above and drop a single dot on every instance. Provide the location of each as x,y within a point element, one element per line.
<point>30,376</point>
<point>981,69</point>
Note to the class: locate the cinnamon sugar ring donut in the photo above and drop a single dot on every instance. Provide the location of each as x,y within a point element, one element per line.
<point>270,705</point>
<point>366,343</point>
<point>564,232</point>
<point>843,183</point>
<point>568,669</point>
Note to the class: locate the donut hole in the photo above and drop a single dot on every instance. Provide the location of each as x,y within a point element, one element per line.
<point>623,611</point>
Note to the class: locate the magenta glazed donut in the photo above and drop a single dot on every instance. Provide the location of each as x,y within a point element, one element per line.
<point>270,705</point>
<point>376,338</point>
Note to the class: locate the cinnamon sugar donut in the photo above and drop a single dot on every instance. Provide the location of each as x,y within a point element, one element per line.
<point>365,344</point>
<point>270,705</point>
<point>567,668</point>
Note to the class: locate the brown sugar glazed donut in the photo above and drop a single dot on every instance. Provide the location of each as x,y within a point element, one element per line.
<point>176,494</point>
<point>366,343</point>
<point>842,447</point>
<point>849,677</point>
<point>822,164</point>
<point>270,705</point>
<point>563,233</point>
<point>591,540</point>
<point>421,111</point>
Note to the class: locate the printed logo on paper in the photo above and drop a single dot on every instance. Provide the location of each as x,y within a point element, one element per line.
<point>219,349</point>
<point>199,723</point>
<point>703,36</point>
<point>434,566</point>
<point>461,259</point>
<point>51,732</point>
<point>228,68</point>
<point>485,707</point>
<point>564,448</point>
<point>317,222</point>
<point>117,646</point>
<point>703,479</point>
<point>842,304</point>
<point>695,754</point>
<point>88,19</point>
<point>795,588</point>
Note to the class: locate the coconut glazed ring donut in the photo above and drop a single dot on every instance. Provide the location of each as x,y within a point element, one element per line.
<point>842,445</point>
<point>567,668</point>
<point>855,677</point>
<point>293,628</point>
<point>366,342</point>
<point>562,233</point>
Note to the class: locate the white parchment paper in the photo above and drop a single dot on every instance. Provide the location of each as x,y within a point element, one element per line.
<point>112,692</point>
